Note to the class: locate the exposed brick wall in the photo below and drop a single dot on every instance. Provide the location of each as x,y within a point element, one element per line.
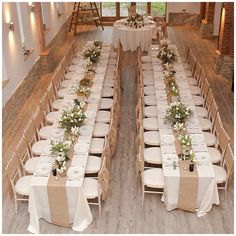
<point>226,37</point>
<point>51,56</point>
<point>210,11</point>
<point>11,108</point>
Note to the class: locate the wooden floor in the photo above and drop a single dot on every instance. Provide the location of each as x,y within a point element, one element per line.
<point>122,212</point>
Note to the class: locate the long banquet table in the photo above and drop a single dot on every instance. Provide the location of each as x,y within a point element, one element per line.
<point>131,38</point>
<point>207,193</point>
<point>78,213</point>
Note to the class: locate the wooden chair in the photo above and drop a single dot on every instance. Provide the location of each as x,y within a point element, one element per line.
<point>224,173</point>
<point>217,154</point>
<point>38,120</point>
<point>55,103</point>
<point>19,183</point>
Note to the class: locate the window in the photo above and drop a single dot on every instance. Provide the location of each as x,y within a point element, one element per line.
<point>141,8</point>
<point>124,8</point>
<point>158,8</point>
<point>108,9</point>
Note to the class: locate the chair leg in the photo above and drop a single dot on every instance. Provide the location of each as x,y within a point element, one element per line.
<point>100,208</point>
<point>15,206</point>
<point>142,195</point>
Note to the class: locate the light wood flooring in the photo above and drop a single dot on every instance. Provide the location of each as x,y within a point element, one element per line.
<point>122,212</point>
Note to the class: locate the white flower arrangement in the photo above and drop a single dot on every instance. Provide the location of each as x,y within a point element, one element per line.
<point>135,21</point>
<point>179,126</point>
<point>92,53</point>
<point>167,55</point>
<point>80,89</point>
<point>185,140</point>
<point>178,112</point>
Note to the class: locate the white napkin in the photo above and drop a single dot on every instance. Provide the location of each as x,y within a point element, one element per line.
<point>43,169</point>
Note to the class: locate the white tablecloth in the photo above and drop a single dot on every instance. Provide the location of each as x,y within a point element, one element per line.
<point>79,211</point>
<point>207,188</point>
<point>131,38</point>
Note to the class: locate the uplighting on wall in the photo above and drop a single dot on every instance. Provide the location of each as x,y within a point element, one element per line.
<point>32,6</point>
<point>11,26</point>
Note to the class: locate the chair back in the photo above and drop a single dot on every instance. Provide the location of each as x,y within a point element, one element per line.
<point>198,70</point>
<point>228,163</point>
<point>103,179</point>
<point>213,111</point>
<point>217,126</point>
<point>38,120</point>
<point>56,78</point>
<point>45,105</point>
<point>30,134</point>
<point>205,88</point>
<point>22,152</point>
<point>208,99</point>
<point>223,141</point>
<point>51,94</point>
<point>192,61</point>
<point>13,171</point>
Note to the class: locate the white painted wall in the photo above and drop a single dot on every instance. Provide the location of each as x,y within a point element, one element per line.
<point>217,18</point>
<point>16,67</point>
<point>190,7</point>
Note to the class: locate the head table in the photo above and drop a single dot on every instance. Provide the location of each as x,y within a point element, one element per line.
<point>63,201</point>
<point>131,37</point>
<point>179,192</point>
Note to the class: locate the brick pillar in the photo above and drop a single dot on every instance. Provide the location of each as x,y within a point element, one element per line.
<point>39,25</point>
<point>224,58</point>
<point>206,29</point>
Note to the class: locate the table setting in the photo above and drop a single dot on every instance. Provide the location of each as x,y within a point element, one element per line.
<point>188,171</point>
<point>56,189</point>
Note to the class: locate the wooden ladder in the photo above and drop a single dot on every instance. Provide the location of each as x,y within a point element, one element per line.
<point>82,14</point>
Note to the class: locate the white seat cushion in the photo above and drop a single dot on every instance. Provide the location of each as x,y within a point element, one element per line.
<point>93,164</point>
<point>195,90</point>
<point>201,112</point>
<point>112,61</point>
<point>31,164</point>
<point>65,83</point>
<point>210,139</point>
<point>62,92</point>
<point>51,117</point>
<point>220,174</point>
<point>51,132</point>
<point>146,59</point>
<point>152,138</point>
<point>198,100</point>
<point>191,81</point>
<point>215,154</point>
<point>205,124</point>
<point>106,103</point>
<point>148,81</point>
<point>150,111</point>
<point>188,73</point>
<point>90,187</point>
<point>100,129</point>
<point>150,123</point>
<point>150,100</point>
<point>41,147</point>
<point>103,116</point>
<point>96,146</point>
<point>22,185</point>
<point>153,178</point>
<point>152,155</point>
<point>147,73</point>
<point>57,104</point>
<point>149,90</point>
<point>107,92</point>
<point>109,82</point>
<point>147,66</point>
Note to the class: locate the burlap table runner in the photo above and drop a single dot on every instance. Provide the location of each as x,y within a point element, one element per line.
<point>188,187</point>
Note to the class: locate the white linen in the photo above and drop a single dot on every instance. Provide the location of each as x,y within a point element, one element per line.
<point>79,211</point>
<point>207,188</point>
<point>131,38</point>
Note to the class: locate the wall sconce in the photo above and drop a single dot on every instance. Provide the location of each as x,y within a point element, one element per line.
<point>32,6</point>
<point>11,26</point>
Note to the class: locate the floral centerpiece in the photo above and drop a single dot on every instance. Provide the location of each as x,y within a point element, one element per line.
<point>167,55</point>
<point>92,53</point>
<point>89,66</point>
<point>81,90</point>
<point>186,144</point>
<point>60,150</point>
<point>72,117</point>
<point>178,112</point>
<point>86,81</point>
<point>135,21</point>
<point>98,43</point>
